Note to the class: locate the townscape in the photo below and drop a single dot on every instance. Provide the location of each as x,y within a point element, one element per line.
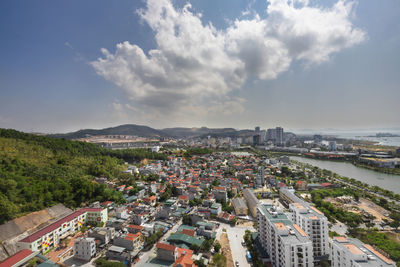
<point>199,133</point>
<point>203,206</point>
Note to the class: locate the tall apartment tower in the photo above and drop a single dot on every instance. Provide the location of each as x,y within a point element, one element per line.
<point>315,224</point>
<point>286,243</point>
<point>279,136</point>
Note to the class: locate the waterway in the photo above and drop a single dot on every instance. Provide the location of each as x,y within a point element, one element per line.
<point>387,181</point>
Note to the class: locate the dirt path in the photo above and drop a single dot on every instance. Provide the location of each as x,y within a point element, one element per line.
<point>226,249</point>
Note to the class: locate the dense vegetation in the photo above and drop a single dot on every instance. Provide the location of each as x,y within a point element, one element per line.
<point>333,213</point>
<point>37,172</point>
<point>196,151</point>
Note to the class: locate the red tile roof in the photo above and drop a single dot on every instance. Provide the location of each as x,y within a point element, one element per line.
<point>17,257</point>
<point>57,224</point>
<point>138,227</point>
<point>165,246</point>
<point>188,232</point>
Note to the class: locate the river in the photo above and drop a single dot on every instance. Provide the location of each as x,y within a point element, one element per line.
<point>387,181</point>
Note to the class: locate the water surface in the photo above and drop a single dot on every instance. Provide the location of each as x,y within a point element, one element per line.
<point>387,181</point>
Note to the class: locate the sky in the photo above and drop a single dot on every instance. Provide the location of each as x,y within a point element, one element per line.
<point>300,64</point>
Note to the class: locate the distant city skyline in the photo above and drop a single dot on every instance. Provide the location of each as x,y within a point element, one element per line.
<point>300,65</point>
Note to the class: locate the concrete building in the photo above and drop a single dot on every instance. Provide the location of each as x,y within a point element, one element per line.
<point>220,193</point>
<point>351,252</point>
<point>132,242</point>
<point>279,136</point>
<point>216,208</point>
<point>288,196</point>
<point>286,243</point>
<point>240,207</point>
<point>251,201</point>
<point>332,146</point>
<point>119,254</point>
<point>103,234</point>
<point>315,224</point>
<point>51,235</point>
<point>166,252</point>
<point>85,248</point>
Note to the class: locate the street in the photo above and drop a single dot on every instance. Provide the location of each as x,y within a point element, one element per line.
<point>146,255</point>
<point>235,236</point>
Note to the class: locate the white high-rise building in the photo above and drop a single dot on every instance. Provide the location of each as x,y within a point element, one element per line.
<point>279,136</point>
<point>286,243</point>
<point>85,248</point>
<point>315,224</point>
<point>351,252</point>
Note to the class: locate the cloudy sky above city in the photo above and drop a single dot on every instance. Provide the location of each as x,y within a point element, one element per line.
<point>68,65</point>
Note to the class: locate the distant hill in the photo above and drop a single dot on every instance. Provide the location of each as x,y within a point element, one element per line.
<point>126,129</point>
<point>145,131</point>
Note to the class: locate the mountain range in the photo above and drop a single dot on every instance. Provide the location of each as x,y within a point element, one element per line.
<point>146,131</point>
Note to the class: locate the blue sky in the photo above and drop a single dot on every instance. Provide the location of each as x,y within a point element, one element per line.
<point>316,64</point>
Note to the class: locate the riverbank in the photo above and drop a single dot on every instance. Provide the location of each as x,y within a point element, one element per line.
<point>389,182</point>
<point>394,171</point>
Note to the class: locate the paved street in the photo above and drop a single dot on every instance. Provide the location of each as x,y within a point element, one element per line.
<point>149,254</point>
<point>235,236</point>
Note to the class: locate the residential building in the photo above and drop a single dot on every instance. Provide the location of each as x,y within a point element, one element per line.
<point>220,193</point>
<point>85,248</point>
<point>251,200</point>
<point>216,208</point>
<point>119,254</point>
<point>286,243</point>
<point>315,224</point>
<point>166,252</point>
<point>351,252</point>
<point>132,242</point>
<point>240,207</point>
<point>279,136</point>
<point>103,234</point>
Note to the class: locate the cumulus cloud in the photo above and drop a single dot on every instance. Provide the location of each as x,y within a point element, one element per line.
<point>196,66</point>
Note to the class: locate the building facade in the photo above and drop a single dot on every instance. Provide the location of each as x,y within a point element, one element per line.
<point>85,248</point>
<point>50,236</point>
<point>286,243</point>
<point>351,252</point>
<point>315,224</point>
<point>251,201</point>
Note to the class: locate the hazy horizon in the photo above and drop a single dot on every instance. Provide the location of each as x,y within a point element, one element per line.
<point>71,65</point>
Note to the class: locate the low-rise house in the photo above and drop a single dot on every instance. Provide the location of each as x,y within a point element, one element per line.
<point>183,200</point>
<point>133,229</point>
<point>119,254</point>
<point>220,193</point>
<point>240,207</point>
<point>103,234</point>
<point>151,200</point>
<point>226,217</point>
<point>166,252</point>
<point>216,209</point>
<point>132,242</point>
<point>85,248</point>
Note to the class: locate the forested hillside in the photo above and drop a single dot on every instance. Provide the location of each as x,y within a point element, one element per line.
<point>38,172</point>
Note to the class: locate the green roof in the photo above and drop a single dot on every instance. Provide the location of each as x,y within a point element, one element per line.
<point>200,223</point>
<point>185,239</point>
<point>279,218</point>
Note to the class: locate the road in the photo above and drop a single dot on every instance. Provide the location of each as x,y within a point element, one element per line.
<point>235,236</point>
<point>149,254</point>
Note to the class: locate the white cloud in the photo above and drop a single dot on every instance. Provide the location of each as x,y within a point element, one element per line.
<point>196,66</point>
